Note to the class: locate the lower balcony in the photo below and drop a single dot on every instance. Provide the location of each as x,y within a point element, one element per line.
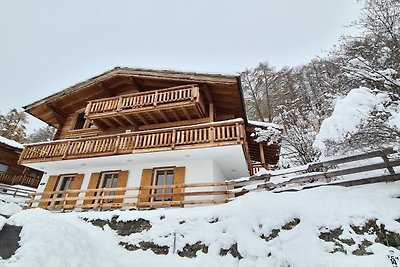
<point>186,137</point>
<point>18,179</point>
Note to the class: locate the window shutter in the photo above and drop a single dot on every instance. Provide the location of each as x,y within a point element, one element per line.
<point>179,178</point>
<point>121,182</point>
<point>76,185</point>
<point>93,184</point>
<point>147,177</point>
<point>50,186</point>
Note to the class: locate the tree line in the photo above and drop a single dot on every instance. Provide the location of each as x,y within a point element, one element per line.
<point>301,97</point>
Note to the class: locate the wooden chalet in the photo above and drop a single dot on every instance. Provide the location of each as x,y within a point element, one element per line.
<point>11,172</point>
<point>157,133</point>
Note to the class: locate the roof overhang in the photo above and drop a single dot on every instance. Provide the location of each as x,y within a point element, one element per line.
<point>225,90</point>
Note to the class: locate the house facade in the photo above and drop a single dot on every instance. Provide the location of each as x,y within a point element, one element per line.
<point>11,173</point>
<point>158,133</point>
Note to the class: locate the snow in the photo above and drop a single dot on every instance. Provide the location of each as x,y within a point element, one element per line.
<point>65,239</point>
<point>10,205</point>
<point>11,143</point>
<point>266,132</point>
<point>349,113</point>
<point>265,124</point>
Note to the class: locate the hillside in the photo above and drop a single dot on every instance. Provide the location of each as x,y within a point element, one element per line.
<point>326,226</point>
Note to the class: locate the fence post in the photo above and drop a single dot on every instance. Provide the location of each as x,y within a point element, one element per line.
<point>390,168</point>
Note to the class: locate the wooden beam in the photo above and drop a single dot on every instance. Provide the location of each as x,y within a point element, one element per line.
<point>186,113</point>
<point>152,117</point>
<point>175,115</point>
<point>103,88</point>
<point>57,113</point>
<point>126,117</point>
<point>142,119</point>
<point>163,116</point>
<point>211,112</point>
<point>137,86</point>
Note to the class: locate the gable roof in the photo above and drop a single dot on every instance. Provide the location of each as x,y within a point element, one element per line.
<point>224,89</point>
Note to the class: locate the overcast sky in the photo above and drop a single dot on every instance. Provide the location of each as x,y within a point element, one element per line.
<point>46,46</point>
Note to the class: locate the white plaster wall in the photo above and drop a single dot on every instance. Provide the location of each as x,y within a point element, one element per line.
<point>196,171</point>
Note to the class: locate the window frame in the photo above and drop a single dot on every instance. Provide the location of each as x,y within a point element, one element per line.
<point>87,124</point>
<point>61,178</point>
<point>163,190</point>
<point>101,184</point>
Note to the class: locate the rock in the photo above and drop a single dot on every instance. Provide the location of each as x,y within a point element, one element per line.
<point>190,251</point>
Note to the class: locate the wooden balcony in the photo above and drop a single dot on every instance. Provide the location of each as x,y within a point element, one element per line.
<point>18,179</point>
<point>152,107</point>
<point>185,137</point>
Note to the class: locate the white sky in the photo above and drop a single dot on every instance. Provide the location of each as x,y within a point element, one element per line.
<point>46,46</point>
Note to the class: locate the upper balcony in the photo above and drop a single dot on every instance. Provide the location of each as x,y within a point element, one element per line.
<point>151,107</point>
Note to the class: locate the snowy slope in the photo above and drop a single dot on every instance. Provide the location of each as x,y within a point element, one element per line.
<point>269,229</point>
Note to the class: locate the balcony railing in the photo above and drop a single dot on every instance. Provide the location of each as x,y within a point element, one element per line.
<point>158,100</point>
<point>185,137</point>
<point>18,179</point>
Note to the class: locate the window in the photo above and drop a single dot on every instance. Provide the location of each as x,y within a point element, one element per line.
<point>3,168</point>
<point>33,174</point>
<point>81,122</point>
<point>163,177</point>
<point>109,180</point>
<point>65,183</point>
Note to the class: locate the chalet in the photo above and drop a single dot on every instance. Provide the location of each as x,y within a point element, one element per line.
<point>158,133</point>
<point>11,172</point>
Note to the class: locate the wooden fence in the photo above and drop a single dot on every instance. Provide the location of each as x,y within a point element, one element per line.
<point>329,172</point>
<point>130,197</point>
<point>316,174</point>
<point>18,179</point>
<point>15,191</point>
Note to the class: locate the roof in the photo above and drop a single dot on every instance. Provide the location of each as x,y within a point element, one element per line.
<point>225,90</point>
<point>11,143</point>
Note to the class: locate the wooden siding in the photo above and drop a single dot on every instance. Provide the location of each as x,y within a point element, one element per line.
<point>16,174</point>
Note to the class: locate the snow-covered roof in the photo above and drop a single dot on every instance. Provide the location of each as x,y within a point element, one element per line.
<point>265,124</point>
<point>11,143</point>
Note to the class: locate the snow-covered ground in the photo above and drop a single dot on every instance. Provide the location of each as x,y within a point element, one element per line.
<point>270,229</point>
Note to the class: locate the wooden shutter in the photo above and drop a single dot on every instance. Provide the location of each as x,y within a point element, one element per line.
<point>147,178</point>
<point>179,178</point>
<point>50,186</point>
<point>76,185</point>
<point>121,182</point>
<point>93,184</point>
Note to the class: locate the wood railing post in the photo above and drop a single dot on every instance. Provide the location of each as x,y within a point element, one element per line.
<point>88,108</point>
<point>390,168</point>
<point>66,150</point>
<point>155,98</point>
<point>119,104</point>
<point>100,203</point>
<point>117,144</point>
<point>173,141</point>
<point>212,134</point>
<point>238,137</point>
<point>64,203</point>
